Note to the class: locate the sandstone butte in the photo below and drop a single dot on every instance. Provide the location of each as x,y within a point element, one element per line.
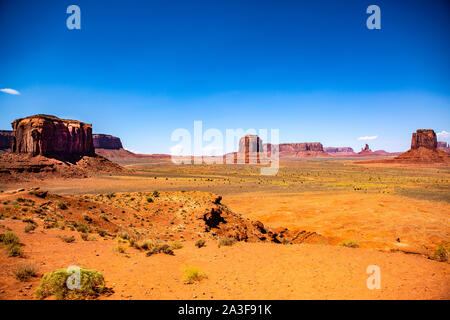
<point>6,137</point>
<point>105,141</point>
<point>44,146</point>
<point>423,150</point>
<point>52,137</point>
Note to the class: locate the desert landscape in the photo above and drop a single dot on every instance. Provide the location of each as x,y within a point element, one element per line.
<point>142,227</point>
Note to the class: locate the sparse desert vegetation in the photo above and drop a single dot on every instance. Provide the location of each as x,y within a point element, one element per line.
<point>322,204</point>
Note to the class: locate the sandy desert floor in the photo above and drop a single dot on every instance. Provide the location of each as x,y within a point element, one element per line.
<point>398,215</point>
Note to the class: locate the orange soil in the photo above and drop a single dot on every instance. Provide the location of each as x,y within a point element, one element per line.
<point>243,271</point>
<point>374,220</point>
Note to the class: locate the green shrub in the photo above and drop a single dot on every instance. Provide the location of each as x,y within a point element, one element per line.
<point>193,274</point>
<point>349,244</point>
<point>442,252</point>
<point>54,283</point>
<point>25,270</point>
<point>150,200</point>
<point>156,193</point>
<point>226,241</point>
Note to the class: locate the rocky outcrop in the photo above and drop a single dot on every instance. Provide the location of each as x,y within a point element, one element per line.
<point>338,150</point>
<point>301,147</point>
<point>424,138</point>
<point>298,150</point>
<point>105,141</point>
<point>52,137</point>
<point>444,146</point>
<point>6,137</point>
<point>423,150</point>
<point>250,144</point>
<point>366,149</point>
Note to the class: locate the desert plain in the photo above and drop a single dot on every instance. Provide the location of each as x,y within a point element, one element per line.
<point>343,215</point>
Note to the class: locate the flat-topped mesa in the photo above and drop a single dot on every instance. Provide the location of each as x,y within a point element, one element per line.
<point>52,137</point>
<point>334,150</point>
<point>6,137</point>
<point>424,138</point>
<point>442,144</point>
<point>301,147</point>
<point>104,141</point>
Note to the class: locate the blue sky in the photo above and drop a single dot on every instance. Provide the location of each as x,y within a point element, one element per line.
<point>141,69</point>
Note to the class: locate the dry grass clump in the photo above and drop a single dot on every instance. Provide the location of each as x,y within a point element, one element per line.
<point>226,241</point>
<point>193,274</point>
<point>54,283</point>
<point>200,243</point>
<point>67,239</point>
<point>24,271</point>
<point>349,244</point>
<point>442,253</point>
<point>30,227</point>
<point>12,244</point>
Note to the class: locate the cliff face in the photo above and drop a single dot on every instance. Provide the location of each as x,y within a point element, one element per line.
<point>337,150</point>
<point>250,144</point>
<point>6,137</point>
<point>300,147</point>
<point>104,141</point>
<point>424,149</point>
<point>52,137</point>
<point>424,138</point>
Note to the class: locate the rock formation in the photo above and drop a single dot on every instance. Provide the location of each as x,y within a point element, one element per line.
<point>339,150</point>
<point>301,147</point>
<point>444,146</point>
<point>49,136</point>
<point>250,144</point>
<point>6,137</point>
<point>104,141</point>
<point>366,149</point>
<point>298,150</point>
<point>44,146</point>
<point>423,149</point>
<point>424,138</point>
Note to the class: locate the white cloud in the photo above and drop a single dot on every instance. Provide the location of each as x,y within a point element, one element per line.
<point>367,138</point>
<point>10,91</point>
<point>443,135</point>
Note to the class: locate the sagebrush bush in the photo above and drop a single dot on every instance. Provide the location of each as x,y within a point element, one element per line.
<point>54,283</point>
<point>10,238</point>
<point>442,253</point>
<point>25,270</point>
<point>200,243</point>
<point>349,244</point>
<point>14,250</point>
<point>226,241</point>
<point>68,239</point>
<point>193,274</point>
<point>29,227</point>
<point>175,245</point>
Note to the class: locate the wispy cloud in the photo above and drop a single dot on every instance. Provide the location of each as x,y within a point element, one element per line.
<point>10,91</point>
<point>367,138</point>
<point>443,135</point>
